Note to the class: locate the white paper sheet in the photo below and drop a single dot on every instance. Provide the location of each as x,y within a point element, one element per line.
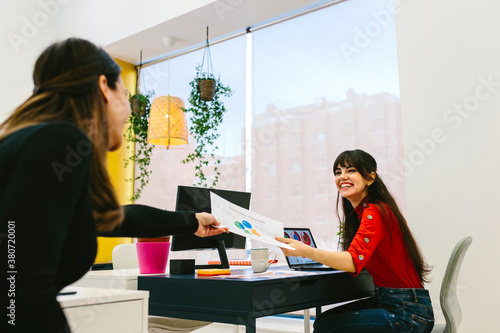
<point>247,223</point>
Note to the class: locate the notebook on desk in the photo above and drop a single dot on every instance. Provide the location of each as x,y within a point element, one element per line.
<point>303,235</point>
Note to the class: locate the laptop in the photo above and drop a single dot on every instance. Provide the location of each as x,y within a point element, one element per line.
<point>300,263</point>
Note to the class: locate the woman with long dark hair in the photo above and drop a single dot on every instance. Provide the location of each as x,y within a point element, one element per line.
<point>55,191</point>
<point>375,236</point>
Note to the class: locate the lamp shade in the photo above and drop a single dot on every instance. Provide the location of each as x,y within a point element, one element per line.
<point>167,122</point>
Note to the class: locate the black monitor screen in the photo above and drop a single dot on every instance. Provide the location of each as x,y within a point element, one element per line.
<point>197,199</point>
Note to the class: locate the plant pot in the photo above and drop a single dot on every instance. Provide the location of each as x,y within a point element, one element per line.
<point>155,239</point>
<point>206,88</point>
<point>138,105</point>
<point>152,257</point>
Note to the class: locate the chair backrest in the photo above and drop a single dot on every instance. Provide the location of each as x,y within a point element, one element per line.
<point>125,256</point>
<point>448,298</point>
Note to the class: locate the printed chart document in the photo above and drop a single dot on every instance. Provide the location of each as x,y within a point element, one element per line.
<point>268,274</point>
<point>246,223</point>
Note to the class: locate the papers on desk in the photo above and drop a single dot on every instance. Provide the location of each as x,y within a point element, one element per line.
<point>246,223</point>
<point>267,274</point>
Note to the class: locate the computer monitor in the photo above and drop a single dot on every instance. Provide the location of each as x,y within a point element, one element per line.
<point>197,199</point>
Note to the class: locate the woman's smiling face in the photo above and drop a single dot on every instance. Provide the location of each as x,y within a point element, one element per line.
<point>351,184</point>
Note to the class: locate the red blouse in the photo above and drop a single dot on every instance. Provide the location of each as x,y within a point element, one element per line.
<point>384,256</point>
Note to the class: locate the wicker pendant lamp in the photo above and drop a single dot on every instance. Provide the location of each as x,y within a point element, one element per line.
<point>167,122</point>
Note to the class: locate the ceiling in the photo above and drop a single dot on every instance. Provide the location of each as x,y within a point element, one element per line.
<point>188,31</point>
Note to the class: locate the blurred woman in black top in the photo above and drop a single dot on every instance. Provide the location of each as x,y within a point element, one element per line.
<point>55,191</point>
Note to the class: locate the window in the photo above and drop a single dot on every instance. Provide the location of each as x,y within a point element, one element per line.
<point>173,76</point>
<point>324,56</point>
<point>323,83</point>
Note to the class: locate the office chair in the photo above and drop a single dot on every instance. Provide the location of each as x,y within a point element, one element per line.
<point>448,297</point>
<point>125,256</point>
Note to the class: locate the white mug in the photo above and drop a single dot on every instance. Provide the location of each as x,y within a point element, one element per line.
<point>260,259</point>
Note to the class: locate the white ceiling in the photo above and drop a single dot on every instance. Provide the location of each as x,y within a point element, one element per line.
<point>186,31</point>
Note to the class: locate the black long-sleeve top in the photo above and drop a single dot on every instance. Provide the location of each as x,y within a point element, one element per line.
<point>48,236</point>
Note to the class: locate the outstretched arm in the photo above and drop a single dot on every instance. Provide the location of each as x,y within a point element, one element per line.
<point>146,221</point>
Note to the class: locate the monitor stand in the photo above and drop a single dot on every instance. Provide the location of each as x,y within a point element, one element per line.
<point>224,262</point>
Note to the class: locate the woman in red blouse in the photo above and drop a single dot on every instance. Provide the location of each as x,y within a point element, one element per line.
<point>376,237</point>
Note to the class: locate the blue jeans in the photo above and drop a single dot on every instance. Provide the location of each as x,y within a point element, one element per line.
<point>390,310</point>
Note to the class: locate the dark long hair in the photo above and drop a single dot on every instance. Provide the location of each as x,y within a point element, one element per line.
<point>378,195</point>
<point>66,88</point>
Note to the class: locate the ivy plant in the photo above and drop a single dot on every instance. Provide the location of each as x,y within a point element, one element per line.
<point>206,116</point>
<point>137,132</point>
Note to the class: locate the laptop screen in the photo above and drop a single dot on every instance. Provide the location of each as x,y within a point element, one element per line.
<point>303,235</point>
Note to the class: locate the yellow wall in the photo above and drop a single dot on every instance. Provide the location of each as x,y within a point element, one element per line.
<point>118,173</point>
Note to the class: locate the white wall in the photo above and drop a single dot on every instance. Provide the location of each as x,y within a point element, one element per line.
<point>27,27</point>
<point>105,22</point>
<point>448,52</point>
<point>25,30</point>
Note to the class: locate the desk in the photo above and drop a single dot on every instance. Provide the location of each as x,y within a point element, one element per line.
<point>93,310</point>
<point>110,279</point>
<point>242,301</point>
<point>234,301</point>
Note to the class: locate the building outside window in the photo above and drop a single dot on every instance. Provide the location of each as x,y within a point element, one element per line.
<point>323,82</point>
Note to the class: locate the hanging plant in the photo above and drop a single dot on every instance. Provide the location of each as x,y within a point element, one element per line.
<point>137,132</point>
<point>205,120</point>
<point>138,104</point>
<point>205,80</point>
<point>206,87</point>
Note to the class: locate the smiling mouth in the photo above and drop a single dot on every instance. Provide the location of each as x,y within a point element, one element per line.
<point>345,186</point>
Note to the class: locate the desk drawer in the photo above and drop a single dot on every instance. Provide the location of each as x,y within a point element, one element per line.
<point>304,292</point>
<point>123,317</point>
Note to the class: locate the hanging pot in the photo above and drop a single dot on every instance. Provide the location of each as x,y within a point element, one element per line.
<point>206,88</point>
<point>138,105</point>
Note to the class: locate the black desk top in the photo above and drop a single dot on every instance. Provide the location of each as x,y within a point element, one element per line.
<point>240,301</point>
<point>273,273</point>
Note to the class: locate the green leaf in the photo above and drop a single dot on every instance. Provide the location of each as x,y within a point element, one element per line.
<point>137,132</point>
<point>205,118</point>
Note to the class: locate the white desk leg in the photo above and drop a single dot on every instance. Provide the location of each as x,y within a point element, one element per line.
<point>307,321</point>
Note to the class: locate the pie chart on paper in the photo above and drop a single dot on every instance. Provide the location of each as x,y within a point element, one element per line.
<point>255,232</point>
<point>246,224</point>
<point>247,228</point>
